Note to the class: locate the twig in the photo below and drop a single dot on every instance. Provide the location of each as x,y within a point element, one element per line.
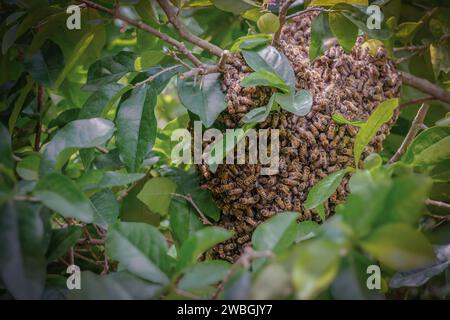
<point>76,254</point>
<point>39,106</point>
<point>415,127</point>
<point>200,71</point>
<point>140,25</point>
<point>183,31</point>
<point>310,10</point>
<point>102,150</point>
<point>26,198</point>
<point>403,59</point>
<point>91,241</point>
<point>416,101</point>
<point>189,199</point>
<point>72,256</point>
<point>282,17</point>
<point>410,48</point>
<point>245,261</point>
<point>177,59</point>
<point>153,77</point>
<point>439,204</point>
<point>186,294</point>
<point>105,262</point>
<point>425,86</point>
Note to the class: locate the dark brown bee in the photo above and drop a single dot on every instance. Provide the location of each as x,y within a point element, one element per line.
<point>229,247</point>
<point>279,203</point>
<point>249,180</point>
<point>284,188</point>
<point>275,120</point>
<point>243,239</point>
<point>351,130</point>
<point>289,182</point>
<point>248,201</point>
<point>235,192</point>
<point>226,187</point>
<point>251,222</point>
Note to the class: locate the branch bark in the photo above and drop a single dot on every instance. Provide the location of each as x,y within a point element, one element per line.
<point>183,31</point>
<point>439,204</point>
<point>180,46</point>
<point>39,107</point>
<point>282,16</point>
<point>416,101</point>
<point>189,199</point>
<point>415,127</point>
<point>425,86</point>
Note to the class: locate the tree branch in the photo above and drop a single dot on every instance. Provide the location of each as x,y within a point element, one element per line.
<point>282,16</point>
<point>39,107</point>
<point>425,86</point>
<point>183,31</point>
<point>415,127</point>
<point>439,204</point>
<point>416,101</point>
<point>140,25</point>
<point>312,9</point>
<point>189,199</point>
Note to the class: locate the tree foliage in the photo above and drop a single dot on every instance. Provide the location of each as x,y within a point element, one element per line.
<point>86,175</point>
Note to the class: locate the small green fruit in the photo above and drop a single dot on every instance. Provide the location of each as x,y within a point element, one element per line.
<point>268,23</point>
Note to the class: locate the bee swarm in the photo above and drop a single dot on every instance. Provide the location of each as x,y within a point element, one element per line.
<point>311,147</point>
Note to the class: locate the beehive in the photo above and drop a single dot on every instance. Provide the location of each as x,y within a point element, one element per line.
<point>311,147</point>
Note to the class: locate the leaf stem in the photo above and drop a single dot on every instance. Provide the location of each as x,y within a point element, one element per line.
<point>189,199</point>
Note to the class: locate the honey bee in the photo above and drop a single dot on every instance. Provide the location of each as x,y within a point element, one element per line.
<point>323,140</point>
<point>351,130</point>
<point>267,213</point>
<point>226,187</point>
<point>249,180</point>
<point>308,136</point>
<point>275,120</point>
<point>235,192</point>
<point>290,182</point>
<point>342,159</point>
<point>229,247</point>
<point>280,203</point>
<point>243,239</point>
<point>248,201</point>
<point>251,222</point>
<point>284,188</point>
<point>205,171</point>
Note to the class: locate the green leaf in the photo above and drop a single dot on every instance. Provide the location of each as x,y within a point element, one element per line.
<point>148,59</point>
<point>204,274</point>
<point>250,42</point>
<point>299,103</point>
<point>429,147</point>
<point>18,104</point>
<point>320,31</point>
<point>28,167</point>
<point>61,240</point>
<point>351,281</point>
<point>22,261</point>
<point>183,220</point>
<point>6,159</point>
<point>400,247</point>
<point>110,69</point>
<point>106,208</point>
<point>136,126</point>
<point>77,134</point>
<point>133,210</point>
<point>359,18</point>
<point>322,190</point>
<point>157,193</point>
<point>102,100</point>
<point>418,277</point>
<point>45,65</point>
<point>382,114</point>
<point>141,249</point>
<point>199,242</point>
<point>75,56</point>
<point>259,114</point>
<point>203,98</point>
<point>234,6</point>
<point>343,29</point>
<point>276,234</point>
<point>99,179</point>
<point>61,194</point>
<point>339,119</point>
<point>329,3</point>
<point>265,78</point>
<point>316,266</point>
<point>407,30</point>
<point>306,230</point>
<point>440,58</point>
<point>270,59</point>
<point>115,286</point>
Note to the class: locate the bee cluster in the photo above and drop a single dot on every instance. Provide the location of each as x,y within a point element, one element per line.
<point>311,147</point>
